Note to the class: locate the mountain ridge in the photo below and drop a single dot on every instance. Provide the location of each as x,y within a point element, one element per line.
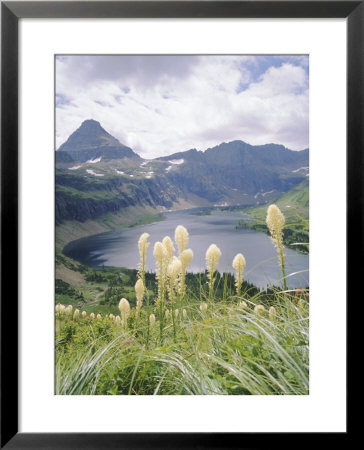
<point>91,134</point>
<point>233,173</point>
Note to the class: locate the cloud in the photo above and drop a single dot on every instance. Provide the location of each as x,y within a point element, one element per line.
<point>163,104</point>
<point>135,69</point>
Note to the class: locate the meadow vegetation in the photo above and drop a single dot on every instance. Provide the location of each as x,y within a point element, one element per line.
<point>174,333</point>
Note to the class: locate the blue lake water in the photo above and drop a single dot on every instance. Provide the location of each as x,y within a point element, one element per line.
<point>120,248</point>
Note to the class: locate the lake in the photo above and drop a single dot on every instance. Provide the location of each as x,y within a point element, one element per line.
<point>120,248</point>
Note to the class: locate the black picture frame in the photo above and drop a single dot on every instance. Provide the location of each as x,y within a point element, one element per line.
<point>11,12</point>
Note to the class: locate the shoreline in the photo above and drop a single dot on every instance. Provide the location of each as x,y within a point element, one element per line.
<point>159,230</point>
<point>130,216</point>
<point>70,231</point>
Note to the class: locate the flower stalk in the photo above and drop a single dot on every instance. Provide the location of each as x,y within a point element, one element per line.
<point>213,255</point>
<point>239,264</point>
<point>124,308</point>
<point>275,223</point>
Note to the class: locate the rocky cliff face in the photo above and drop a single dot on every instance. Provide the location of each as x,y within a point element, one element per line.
<point>63,157</point>
<point>76,199</point>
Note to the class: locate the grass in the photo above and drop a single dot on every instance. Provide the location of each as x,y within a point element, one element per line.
<point>226,350</point>
<point>294,204</point>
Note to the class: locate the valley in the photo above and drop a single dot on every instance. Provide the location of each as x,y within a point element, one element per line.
<point>102,185</point>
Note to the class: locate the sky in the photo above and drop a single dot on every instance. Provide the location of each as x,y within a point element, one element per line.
<point>162,104</point>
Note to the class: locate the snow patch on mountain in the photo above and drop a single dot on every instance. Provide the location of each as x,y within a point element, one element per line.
<point>91,172</point>
<point>299,169</point>
<point>93,161</point>
<point>176,161</point>
<point>74,167</point>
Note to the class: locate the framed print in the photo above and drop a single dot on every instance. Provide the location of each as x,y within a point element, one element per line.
<point>181,191</point>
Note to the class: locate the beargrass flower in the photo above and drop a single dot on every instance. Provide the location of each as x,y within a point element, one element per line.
<point>243,304</point>
<point>174,268</point>
<point>68,310</point>
<point>173,271</point>
<point>239,264</point>
<point>159,251</point>
<point>117,320</point>
<point>213,255</point>
<point>76,314</point>
<point>272,313</point>
<point>185,257</point>
<point>152,320</point>
<point>92,315</point>
<point>181,238</point>
<point>259,309</point>
<point>124,308</point>
<point>168,245</point>
<point>203,306</point>
<point>143,245</point>
<point>84,314</point>
<point>161,257</point>
<point>139,291</point>
<point>275,223</point>
<point>98,317</point>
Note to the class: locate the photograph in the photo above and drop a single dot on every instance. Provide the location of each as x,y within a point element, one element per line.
<point>181,224</point>
<point>168,174</point>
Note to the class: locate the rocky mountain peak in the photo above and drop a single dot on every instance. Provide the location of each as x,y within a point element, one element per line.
<point>91,140</point>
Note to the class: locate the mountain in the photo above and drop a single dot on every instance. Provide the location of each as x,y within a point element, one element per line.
<point>106,177</point>
<point>242,154</point>
<point>63,157</point>
<point>235,169</point>
<point>90,141</point>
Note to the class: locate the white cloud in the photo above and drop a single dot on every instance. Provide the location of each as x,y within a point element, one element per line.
<point>171,104</point>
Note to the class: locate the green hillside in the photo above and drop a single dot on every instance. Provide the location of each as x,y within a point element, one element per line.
<point>295,206</point>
